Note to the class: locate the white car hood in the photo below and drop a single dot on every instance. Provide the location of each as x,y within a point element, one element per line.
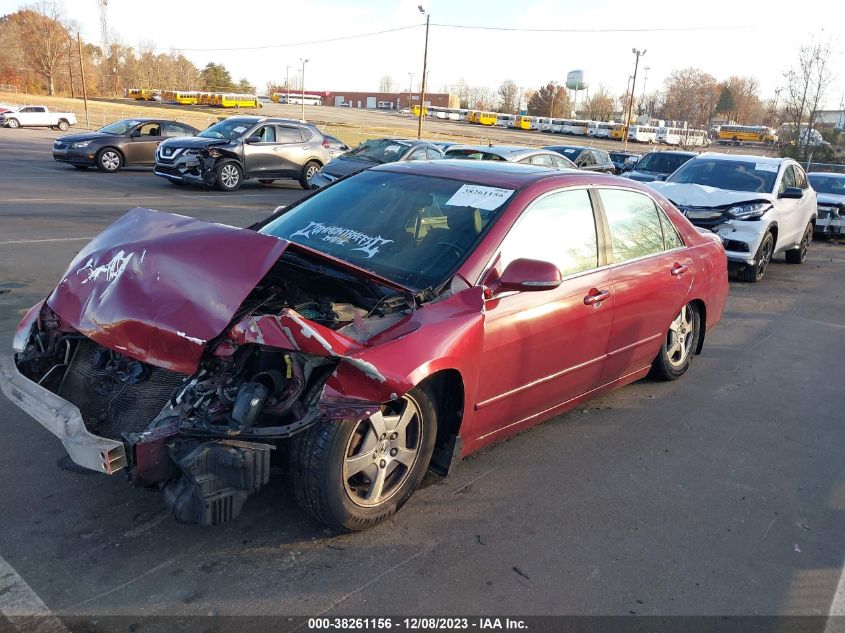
<point>689,195</point>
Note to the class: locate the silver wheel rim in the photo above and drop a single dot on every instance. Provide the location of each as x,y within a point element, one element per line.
<point>229,176</point>
<point>309,173</point>
<point>805,242</point>
<point>765,256</point>
<point>381,453</point>
<point>62,126</point>
<point>110,160</point>
<point>13,123</point>
<point>680,337</point>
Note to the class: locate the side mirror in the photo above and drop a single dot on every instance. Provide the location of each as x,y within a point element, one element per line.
<point>794,193</point>
<point>661,177</point>
<point>527,275</point>
<point>135,134</point>
<point>253,139</point>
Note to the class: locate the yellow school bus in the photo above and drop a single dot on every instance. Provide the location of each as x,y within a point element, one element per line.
<point>487,118</point>
<point>472,116</point>
<point>168,95</point>
<point>617,132</point>
<point>233,100</point>
<point>134,93</point>
<point>415,110</point>
<point>186,98</point>
<point>524,122</point>
<point>149,94</point>
<point>746,133</point>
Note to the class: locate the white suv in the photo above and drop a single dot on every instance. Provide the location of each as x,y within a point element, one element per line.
<point>759,206</point>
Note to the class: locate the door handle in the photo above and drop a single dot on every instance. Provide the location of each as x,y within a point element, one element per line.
<point>595,297</point>
<point>679,269</point>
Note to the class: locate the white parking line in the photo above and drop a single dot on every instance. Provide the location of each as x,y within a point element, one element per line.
<point>49,239</point>
<point>836,619</point>
<point>22,606</point>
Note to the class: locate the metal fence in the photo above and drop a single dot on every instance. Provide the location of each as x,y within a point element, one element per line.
<point>835,168</point>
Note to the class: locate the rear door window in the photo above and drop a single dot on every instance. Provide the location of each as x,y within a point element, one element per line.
<point>635,229</point>
<point>541,159</point>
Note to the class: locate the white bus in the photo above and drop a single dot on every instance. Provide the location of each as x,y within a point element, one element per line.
<point>505,120</point>
<point>544,124</point>
<point>578,128</point>
<point>684,137</point>
<point>599,129</point>
<point>642,134</point>
<point>297,98</point>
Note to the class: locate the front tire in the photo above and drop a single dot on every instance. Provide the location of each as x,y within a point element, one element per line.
<point>229,177</point>
<point>798,255</point>
<point>351,475</point>
<point>109,160</point>
<point>308,171</point>
<point>756,272</point>
<point>679,345</point>
<point>13,123</point>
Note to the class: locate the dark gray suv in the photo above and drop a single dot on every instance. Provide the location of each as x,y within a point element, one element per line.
<point>244,147</point>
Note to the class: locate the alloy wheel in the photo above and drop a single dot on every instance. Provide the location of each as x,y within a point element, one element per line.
<point>765,258</point>
<point>229,176</point>
<point>805,242</point>
<point>309,173</point>
<point>381,453</point>
<point>680,337</point>
<point>110,160</point>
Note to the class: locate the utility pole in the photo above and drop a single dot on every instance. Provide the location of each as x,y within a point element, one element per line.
<point>82,74</point>
<point>70,71</point>
<point>304,61</point>
<point>425,65</point>
<point>410,88</point>
<point>287,81</point>
<point>639,54</point>
<point>645,79</point>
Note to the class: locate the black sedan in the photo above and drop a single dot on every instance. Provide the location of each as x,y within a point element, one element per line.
<point>586,158</point>
<point>122,143</point>
<point>375,152</point>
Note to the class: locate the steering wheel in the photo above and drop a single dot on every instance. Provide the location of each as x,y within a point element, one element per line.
<point>458,251</point>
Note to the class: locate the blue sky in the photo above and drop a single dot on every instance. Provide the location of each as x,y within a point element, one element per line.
<point>766,44</point>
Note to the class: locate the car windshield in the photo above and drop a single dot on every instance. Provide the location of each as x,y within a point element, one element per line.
<point>662,163</point>
<point>228,129</point>
<point>472,154</point>
<point>733,175</point>
<point>569,152</point>
<point>119,127</point>
<point>380,150</point>
<point>833,185</point>
<point>413,230</point>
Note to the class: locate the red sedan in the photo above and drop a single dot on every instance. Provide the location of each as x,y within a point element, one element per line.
<point>393,322</point>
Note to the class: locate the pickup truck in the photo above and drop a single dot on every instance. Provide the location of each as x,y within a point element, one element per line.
<point>37,116</point>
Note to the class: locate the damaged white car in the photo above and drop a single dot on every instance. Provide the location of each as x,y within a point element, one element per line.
<point>760,206</point>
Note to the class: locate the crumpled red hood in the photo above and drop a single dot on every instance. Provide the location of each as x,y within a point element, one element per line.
<point>158,286</point>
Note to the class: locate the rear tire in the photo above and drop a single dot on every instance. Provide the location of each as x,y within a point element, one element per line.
<point>308,171</point>
<point>798,255</point>
<point>351,475</point>
<point>229,177</point>
<point>679,345</point>
<point>63,125</point>
<point>109,160</point>
<point>755,273</point>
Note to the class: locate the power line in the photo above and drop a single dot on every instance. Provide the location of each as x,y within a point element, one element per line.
<point>596,30</point>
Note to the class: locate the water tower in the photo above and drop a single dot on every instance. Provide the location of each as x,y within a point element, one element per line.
<point>575,81</point>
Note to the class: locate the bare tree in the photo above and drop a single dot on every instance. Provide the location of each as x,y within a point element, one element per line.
<point>481,98</point>
<point>690,95</point>
<point>806,84</point>
<point>509,97</point>
<point>386,84</point>
<point>44,39</point>
<point>742,94</point>
<point>599,107</point>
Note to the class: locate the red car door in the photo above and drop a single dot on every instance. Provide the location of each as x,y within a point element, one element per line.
<point>652,276</point>
<point>547,347</point>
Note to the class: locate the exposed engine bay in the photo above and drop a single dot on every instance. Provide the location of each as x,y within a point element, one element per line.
<point>205,439</point>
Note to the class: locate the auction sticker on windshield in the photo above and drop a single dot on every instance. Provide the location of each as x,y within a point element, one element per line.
<point>765,167</point>
<point>478,197</point>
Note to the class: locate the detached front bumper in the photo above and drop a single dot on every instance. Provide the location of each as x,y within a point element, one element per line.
<point>62,419</point>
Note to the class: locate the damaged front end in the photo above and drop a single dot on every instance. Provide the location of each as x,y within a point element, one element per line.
<point>189,392</point>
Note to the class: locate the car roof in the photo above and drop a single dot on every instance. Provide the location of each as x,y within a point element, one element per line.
<point>481,172</point>
<point>265,119</point>
<point>825,173</point>
<point>680,152</point>
<point>554,148</point>
<point>746,158</point>
<point>505,151</point>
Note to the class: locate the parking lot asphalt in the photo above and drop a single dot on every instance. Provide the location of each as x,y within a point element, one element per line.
<point>719,494</point>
